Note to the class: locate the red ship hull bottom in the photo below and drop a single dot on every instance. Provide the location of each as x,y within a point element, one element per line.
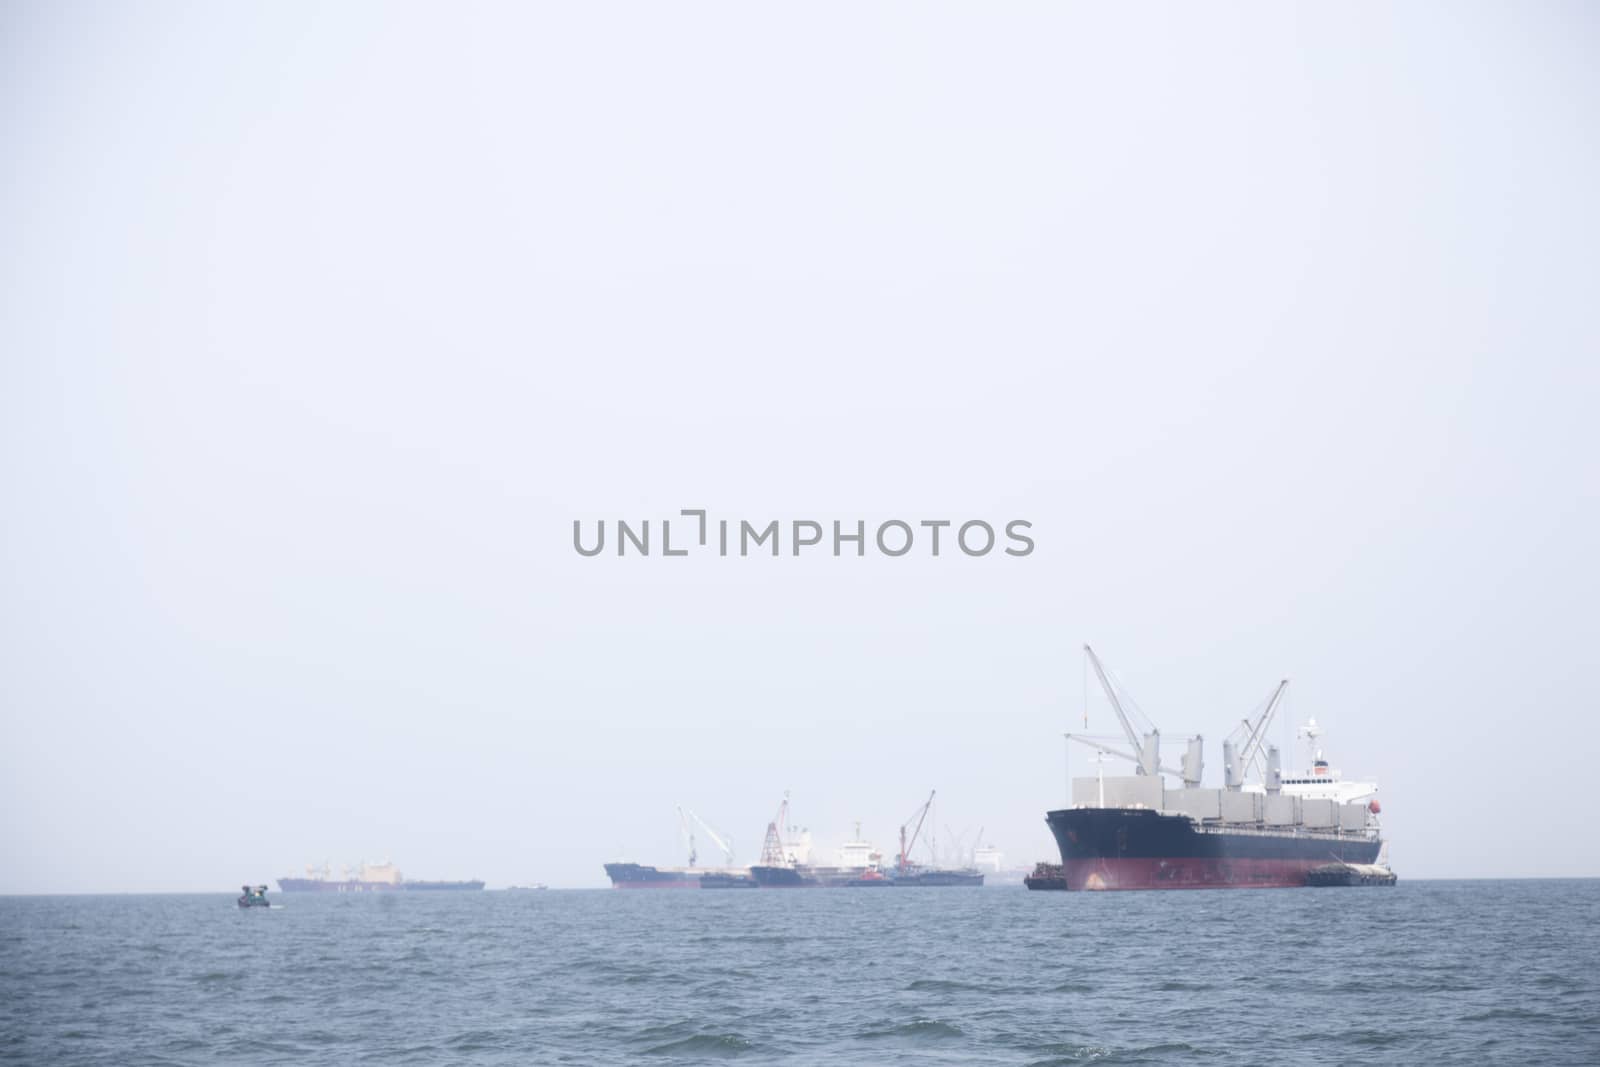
<point>1188,873</point>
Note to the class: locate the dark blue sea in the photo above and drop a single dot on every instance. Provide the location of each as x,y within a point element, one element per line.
<point>1427,972</point>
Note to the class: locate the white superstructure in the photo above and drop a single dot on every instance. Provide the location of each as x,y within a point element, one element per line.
<point>858,855</point>
<point>1319,779</point>
<point>988,858</point>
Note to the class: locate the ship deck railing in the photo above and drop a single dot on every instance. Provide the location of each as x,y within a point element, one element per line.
<point>1255,829</point>
<point>1217,826</point>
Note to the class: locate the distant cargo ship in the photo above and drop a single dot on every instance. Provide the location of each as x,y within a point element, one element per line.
<point>1137,832</point>
<point>625,875</point>
<point>786,863</point>
<point>367,878</point>
<point>786,860</point>
<point>644,876</point>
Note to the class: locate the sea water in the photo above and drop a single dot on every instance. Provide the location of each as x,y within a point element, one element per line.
<point>1426,972</point>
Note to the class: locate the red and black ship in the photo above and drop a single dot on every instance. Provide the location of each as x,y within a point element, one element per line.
<point>1136,848</point>
<point>1141,832</point>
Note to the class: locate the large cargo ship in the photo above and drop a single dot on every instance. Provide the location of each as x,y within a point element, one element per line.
<point>1138,832</point>
<point>367,878</point>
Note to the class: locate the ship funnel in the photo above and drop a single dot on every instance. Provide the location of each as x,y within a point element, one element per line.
<point>1232,773</point>
<point>1274,770</point>
<point>1150,754</point>
<point>1193,764</point>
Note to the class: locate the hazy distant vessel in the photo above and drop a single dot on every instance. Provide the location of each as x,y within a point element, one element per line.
<point>645,876</point>
<point>908,872</point>
<point>992,862</point>
<point>367,878</point>
<point>1134,832</point>
<point>628,875</point>
<point>786,859</point>
<point>784,863</point>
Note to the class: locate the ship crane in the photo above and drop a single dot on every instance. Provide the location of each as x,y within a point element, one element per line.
<point>919,815</point>
<point>1238,763</point>
<point>688,834</point>
<point>1146,750</point>
<point>723,842</point>
<point>1149,747</point>
<point>772,848</point>
<point>955,846</point>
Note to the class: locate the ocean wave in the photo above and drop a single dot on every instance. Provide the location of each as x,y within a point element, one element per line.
<point>915,1031</point>
<point>716,1045</point>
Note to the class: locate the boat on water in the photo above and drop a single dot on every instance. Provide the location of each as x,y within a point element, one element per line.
<point>382,877</point>
<point>785,866</point>
<point>1140,832</point>
<point>914,876</point>
<point>626,874</point>
<point>254,896</point>
<point>786,859</point>
<point>786,862</point>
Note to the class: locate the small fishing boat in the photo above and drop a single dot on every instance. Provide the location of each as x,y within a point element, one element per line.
<point>255,896</point>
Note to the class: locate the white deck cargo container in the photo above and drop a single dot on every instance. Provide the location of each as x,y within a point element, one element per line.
<point>1319,813</point>
<point>1281,810</point>
<point>1241,807</point>
<point>1121,791</point>
<point>1198,803</point>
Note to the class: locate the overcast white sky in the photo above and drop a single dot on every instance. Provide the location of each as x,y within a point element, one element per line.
<point>319,324</point>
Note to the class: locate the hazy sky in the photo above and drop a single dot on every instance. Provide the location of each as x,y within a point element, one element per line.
<point>320,324</point>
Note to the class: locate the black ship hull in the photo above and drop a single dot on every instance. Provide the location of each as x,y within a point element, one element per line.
<point>1136,848</point>
<point>644,876</point>
<point>939,878</point>
<point>853,878</point>
<point>815,878</point>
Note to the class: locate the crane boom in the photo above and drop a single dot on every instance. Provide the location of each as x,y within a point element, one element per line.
<point>1111,695</point>
<point>920,814</point>
<point>1090,742</point>
<point>772,848</point>
<point>688,834</point>
<point>1258,735</point>
<point>725,844</point>
<point>1148,747</point>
